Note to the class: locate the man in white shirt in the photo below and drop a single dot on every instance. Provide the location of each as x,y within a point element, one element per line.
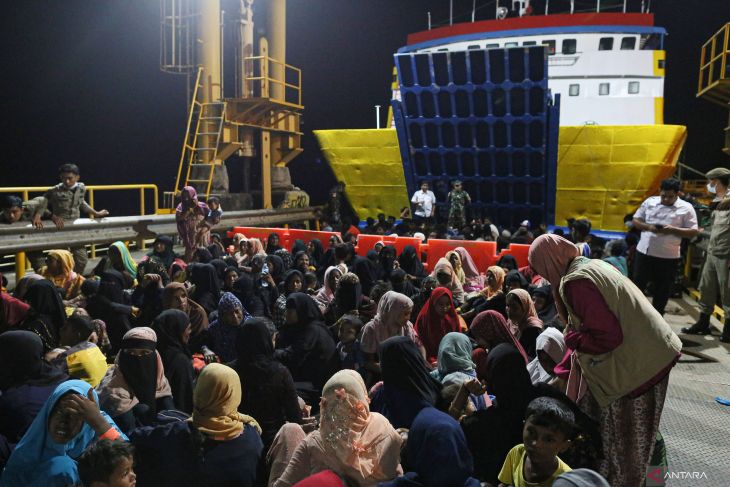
<point>664,221</point>
<point>425,202</point>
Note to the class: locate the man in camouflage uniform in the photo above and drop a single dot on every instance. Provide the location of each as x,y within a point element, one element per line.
<point>458,199</point>
<point>66,201</point>
<point>715,278</point>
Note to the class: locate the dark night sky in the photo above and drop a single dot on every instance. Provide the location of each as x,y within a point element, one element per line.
<point>81,82</point>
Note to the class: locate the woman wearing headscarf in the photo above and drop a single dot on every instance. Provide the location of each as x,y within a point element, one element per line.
<point>268,388</point>
<point>315,249</point>
<point>407,385</point>
<point>491,297</point>
<point>437,318</point>
<point>625,367</point>
<point>241,255</point>
<point>68,422</point>
<point>515,280</point>
<point>455,260</point>
<point>162,250</point>
<point>26,382</point>
<point>285,257</point>
<point>446,276</point>
<point>523,320</point>
<point>326,294</point>
<point>135,387</point>
<point>293,282</point>
<point>351,441</point>
<point>411,263</point>
<point>276,267</point>
<point>551,350</point>
<point>436,453</point>
<point>428,284</point>
<point>272,243</point>
<point>46,314</point>
<point>175,296</point>
<point>109,305</point>
<point>220,270</point>
<point>392,319</point>
<point>545,306</point>
<point>207,290</point>
<point>21,287</point>
<point>508,263</point>
<point>79,356</point>
<point>119,259</point>
<point>255,247</point>
<point>59,269</point>
<point>230,276</point>
<point>12,311</point>
<point>189,215</point>
<point>455,365</point>
<point>304,344</point>
<point>302,262</point>
<point>401,284</point>
<point>202,256</point>
<point>489,329</point>
<point>386,260</point>
<point>473,280</point>
<point>173,332</point>
<point>244,290</point>
<point>152,277</point>
<point>222,332</point>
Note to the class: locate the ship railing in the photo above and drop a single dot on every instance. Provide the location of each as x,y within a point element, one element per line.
<point>143,190</point>
<point>269,71</point>
<point>714,69</point>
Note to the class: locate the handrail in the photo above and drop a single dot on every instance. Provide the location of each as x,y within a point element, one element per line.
<point>187,128</point>
<point>715,49</point>
<point>268,79</point>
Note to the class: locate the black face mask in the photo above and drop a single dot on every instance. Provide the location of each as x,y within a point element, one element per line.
<point>140,372</point>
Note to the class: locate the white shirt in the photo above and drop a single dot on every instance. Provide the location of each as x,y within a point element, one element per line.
<point>681,215</point>
<point>424,203</point>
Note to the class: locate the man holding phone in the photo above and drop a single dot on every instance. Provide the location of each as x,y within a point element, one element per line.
<point>664,221</point>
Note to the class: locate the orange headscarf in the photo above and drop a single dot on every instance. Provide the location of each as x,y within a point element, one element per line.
<point>499,274</point>
<point>67,279</point>
<point>550,256</point>
<point>528,305</point>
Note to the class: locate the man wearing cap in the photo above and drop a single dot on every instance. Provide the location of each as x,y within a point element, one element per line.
<point>458,199</point>
<point>664,221</point>
<point>714,279</point>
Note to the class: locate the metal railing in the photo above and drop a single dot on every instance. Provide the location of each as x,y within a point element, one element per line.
<point>264,80</point>
<point>713,65</point>
<point>26,191</point>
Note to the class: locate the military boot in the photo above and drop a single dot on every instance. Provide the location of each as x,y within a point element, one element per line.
<point>701,327</point>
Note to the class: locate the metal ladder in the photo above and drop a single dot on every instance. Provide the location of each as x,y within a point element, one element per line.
<point>200,147</point>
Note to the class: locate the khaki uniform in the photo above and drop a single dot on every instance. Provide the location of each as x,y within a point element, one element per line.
<point>714,280</point>
<point>68,204</point>
<point>29,208</point>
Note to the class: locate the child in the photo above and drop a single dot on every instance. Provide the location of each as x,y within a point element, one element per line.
<point>458,199</point>
<point>108,464</point>
<point>549,429</point>
<point>215,211</point>
<point>310,283</point>
<point>348,348</point>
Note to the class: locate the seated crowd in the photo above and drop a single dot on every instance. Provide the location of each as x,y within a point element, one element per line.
<point>250,364</point>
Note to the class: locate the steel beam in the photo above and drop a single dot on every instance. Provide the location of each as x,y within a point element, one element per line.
<point>21,237</point>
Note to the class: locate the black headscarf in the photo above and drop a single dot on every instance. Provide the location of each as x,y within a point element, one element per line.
<point>270,247</point>
<point>366,271</point>
<point>112,286</point>
<point>297,256</point>
<point>243,289</point>
<point>508,261</point>
<point>140,371</point>
<point>410,262</point>
<point>276,267</point>
<point>348,296</point>
<point>515,276</point>
<point>288,277</point>
<point>299,246</point>
<point>152,265</point>
<point>108,305</point>
<point>254,348</point>
<point>229,270</point>
<point>44,299</point>
<point>207,286</point>
<point>508,379</point>
<point>400,283</point>
<point>408,385</point>
<point>386,258</point>
<point>169,326</point>
<point>220,269</point>
<point>22,362</point>
<point>317,252</point>
<point>307,310</point>
<point>167,256</point>
<point>203,255</point>
<point>285,257</point>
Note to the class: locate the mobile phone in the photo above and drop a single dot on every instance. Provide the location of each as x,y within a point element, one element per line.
<point>659,226</point>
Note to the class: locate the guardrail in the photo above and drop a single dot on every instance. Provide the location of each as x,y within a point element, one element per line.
<point>19,238</point>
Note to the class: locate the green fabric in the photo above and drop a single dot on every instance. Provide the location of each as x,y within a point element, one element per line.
<point>129,264</point>
<point>454,354</point>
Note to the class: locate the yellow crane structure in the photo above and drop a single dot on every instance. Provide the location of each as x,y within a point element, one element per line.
<point>263,113</point>
<point>714,79</point>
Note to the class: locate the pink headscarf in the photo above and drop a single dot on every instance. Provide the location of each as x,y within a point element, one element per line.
<point>457,291</point>
<point>491,326</point>
<point>528,305</point>
<point>390,310</point>
<point>474,280</point>
<point>257,247</point>
<point>325,295</point>
<point>550,256</point>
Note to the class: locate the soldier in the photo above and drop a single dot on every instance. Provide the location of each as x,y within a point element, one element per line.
<point>66,200</point>
<point>458,199</point>
<point>714,279</point>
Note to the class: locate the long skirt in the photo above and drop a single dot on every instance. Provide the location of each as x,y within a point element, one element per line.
<point>629,428</point>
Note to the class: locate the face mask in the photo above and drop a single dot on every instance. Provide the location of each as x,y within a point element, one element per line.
<point>711,189</point>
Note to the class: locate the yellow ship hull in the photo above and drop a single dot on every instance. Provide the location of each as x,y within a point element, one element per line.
<point>604,172</point>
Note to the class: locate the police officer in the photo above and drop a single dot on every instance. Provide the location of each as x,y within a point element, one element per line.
<point>714,280</point>
<point>66,201</point>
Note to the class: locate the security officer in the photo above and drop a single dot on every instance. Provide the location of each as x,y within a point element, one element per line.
<point>15,210</point>
<point>66,200</point>
<point>714,279</point>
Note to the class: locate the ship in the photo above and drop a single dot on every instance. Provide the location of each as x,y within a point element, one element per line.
<point>604,73</point>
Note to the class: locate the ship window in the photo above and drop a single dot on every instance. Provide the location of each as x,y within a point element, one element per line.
<point>633,87</point>
<point>574,90</point>
<point>569,46</point>
<point>605,44</point>
<point>473,46</point>
<point>550,46</point>
<point>511,44</point>
<point>603,89</point>
<point>628,43</point>
<point>529,43</point>
<point>491,46</point>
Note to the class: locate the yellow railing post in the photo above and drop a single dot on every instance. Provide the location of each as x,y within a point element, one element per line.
<point>91,204</point>
<point>19,265</point>
<point>141,210</point>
